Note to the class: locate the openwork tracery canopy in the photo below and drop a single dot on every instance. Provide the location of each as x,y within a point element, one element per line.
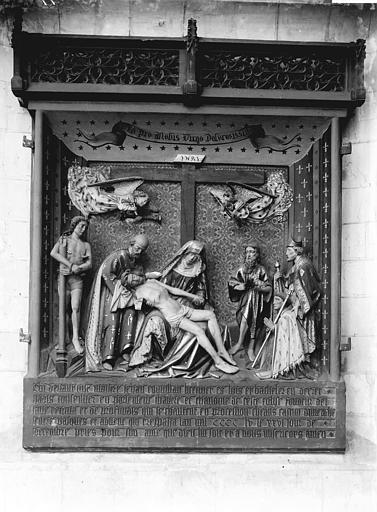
<point>191,70</point>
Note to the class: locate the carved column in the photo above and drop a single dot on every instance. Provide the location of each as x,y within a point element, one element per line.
<point>36,247</point>
<point>191,88</point>
<point>335,257</point>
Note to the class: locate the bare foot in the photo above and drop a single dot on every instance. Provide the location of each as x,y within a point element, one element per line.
<point>107,366</point>
<point>264,375</point>
<point>77,346</point>
<point>226,367</point>
<point>228,358</point>
<point>125,360</point>
<point>236,348</point>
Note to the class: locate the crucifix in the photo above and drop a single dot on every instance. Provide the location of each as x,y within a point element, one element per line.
<point>191,175</point>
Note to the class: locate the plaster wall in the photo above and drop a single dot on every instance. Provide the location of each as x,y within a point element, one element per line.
<point>94,481</point>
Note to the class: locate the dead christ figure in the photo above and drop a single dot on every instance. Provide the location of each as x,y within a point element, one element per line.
<point>179,316</point>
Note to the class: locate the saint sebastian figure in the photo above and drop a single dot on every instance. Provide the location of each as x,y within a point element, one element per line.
<point>112,316</point>
<point>252,290</point>
<point>75,258</point>
<point>187,319</point>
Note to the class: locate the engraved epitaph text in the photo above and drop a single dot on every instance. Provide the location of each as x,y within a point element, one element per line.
<point>96,412</point>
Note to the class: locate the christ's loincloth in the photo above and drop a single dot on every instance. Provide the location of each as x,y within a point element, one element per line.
<point>176,319</point>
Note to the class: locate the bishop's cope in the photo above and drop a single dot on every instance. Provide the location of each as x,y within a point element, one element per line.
<point>295,351</point>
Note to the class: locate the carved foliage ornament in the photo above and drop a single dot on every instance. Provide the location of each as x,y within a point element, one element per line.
<point>305,73</point>
<point>107,66</point>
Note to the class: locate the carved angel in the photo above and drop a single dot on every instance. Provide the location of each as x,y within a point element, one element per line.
<point>93,192</point>
<point>244,203</point>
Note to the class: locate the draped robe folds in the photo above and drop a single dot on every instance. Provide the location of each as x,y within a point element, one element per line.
<point>251,302</point>
<point>112,316</point>
<point>196,285</point>
<point>285,350</point>
<point>306,284</point>
<point>179,352</point>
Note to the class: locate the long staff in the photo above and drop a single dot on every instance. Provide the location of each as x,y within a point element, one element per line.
<point>270,331</point>
<point>62,299</point>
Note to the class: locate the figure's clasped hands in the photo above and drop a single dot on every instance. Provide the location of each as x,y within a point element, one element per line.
<point>260,287</point>
<point>269,323</point>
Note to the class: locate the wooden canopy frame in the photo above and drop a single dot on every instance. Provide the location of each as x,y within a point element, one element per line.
<point>191,70</point>
<point>190,93</point>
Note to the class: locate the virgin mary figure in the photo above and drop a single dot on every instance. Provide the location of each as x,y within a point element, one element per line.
<point>164,352</point>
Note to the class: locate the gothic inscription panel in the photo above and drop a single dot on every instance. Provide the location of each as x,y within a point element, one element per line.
<point>102,413</point>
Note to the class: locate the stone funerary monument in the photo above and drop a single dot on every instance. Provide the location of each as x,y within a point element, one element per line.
<point>185,251</point>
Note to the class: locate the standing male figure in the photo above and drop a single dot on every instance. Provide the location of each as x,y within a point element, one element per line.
<point>75,257</point>
<point>251,289</point>
<point>305,284</point>
<point>112,316</point>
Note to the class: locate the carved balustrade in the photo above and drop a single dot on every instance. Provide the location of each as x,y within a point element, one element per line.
<point>212,71</point>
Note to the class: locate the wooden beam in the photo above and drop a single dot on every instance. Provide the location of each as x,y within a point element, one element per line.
<point>107,41</point>
<point>316,205</point>
<point>204,174</point>
<point>43,91</point>
<point>36,248</point>
<point>179,108</point>
<point>103,89</point>
<point>291,179</point>
<point>217,175</point>
<point>273,94</point>
<point>187,205</point>
<point>335,256</point>
<point>213,174</point>
<point>224,44</point>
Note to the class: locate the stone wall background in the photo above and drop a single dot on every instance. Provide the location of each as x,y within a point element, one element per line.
<point>97,481</point>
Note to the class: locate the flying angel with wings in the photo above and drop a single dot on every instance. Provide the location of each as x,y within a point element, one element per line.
<point>93,192</point>
<point>245,203</point>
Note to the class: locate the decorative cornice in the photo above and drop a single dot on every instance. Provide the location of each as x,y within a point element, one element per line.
<point>189,70</point>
